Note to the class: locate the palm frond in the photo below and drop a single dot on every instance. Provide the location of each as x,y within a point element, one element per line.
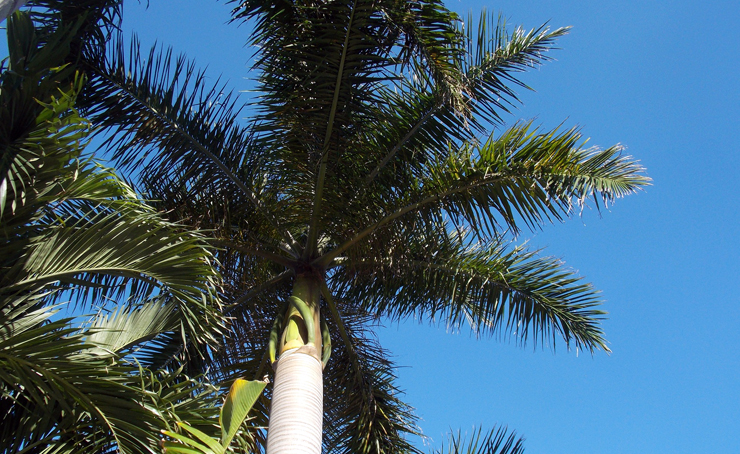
<point>494,57</point>
<point>105,253</point>
<point>64,394</point>
<point>426,122</point>
<point>71,225</point>
<point>496,441</point>
<point>55,391</point>
<point>363,412</point>
<point>144,332</point>
<point>522,176</point>
<point>493,289</point>
<point>162,118</point>
<point>37,116</point>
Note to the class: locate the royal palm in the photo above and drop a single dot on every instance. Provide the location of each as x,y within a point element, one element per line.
<point>367,187</point>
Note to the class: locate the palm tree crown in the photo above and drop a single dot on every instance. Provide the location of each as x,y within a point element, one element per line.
<point>367,186</point>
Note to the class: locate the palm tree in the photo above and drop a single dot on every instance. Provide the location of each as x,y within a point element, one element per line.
<point>73,230</point>
<point>368,186</point>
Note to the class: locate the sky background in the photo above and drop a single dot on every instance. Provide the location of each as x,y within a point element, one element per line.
<point>662,79</point>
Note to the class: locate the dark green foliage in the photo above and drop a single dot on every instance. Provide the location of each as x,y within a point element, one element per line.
<point>369,166</point>
<point>497,441</point>
<point>71,229</point>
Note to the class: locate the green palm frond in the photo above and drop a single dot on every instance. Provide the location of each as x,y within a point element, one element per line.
<point>430,46</point>
<point>72,223</point>
<point>110,255</point>
<point>322,66</point>
<point>496,441</point>
<point>61,392</point>
<point>426,122</point>
<point>54,391</point>
<point>416,122</point>
<point>179,109</point>
<point>144,332</point>
<point>493,289</point>
<point>522,176</point>
<point>72,228</point>
<point>38,121</point>
<point>363,412</point>
<point>494,56</point>
<point>127,250</point>
<point>160,114</point>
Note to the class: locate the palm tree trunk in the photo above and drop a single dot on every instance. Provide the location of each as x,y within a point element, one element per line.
<point>296,414</point>
<point>8,7</point>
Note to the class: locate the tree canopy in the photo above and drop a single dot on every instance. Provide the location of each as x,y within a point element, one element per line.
<point>376,180</point>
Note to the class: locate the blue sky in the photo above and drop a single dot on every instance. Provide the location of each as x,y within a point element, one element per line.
<point>662,79</point>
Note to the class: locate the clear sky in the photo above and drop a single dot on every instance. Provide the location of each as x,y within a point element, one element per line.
<point>662,79</point>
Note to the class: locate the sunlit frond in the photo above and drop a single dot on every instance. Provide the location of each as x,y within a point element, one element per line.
<point>491,288</point>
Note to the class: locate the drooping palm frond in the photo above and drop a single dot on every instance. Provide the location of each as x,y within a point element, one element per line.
<point>160,115</point>
<point>70,223</point>
<point>141,334</point>
<point>364,412</point>
<point>164,112</point>
<point>47,389</point>
<point>136,256</point>
<point>493,289</point>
